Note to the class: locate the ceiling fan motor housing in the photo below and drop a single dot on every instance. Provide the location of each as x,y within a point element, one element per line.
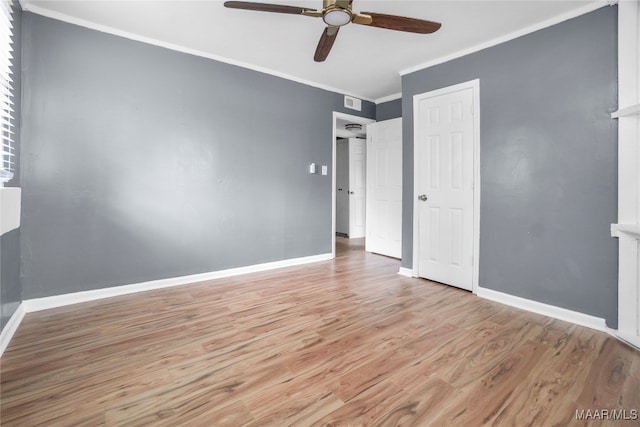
<point>336,14</point>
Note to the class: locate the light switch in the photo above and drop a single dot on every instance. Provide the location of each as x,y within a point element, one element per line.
<point>324,169</point>
<point>312,168</point>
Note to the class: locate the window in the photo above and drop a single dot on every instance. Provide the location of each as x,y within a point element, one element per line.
<point>6,93</point>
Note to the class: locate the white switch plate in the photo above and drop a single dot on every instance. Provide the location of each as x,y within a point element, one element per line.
<point>324,170</point>
<point>312,168</point>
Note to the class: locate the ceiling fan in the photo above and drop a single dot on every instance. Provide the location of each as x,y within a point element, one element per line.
<point>336,13</point>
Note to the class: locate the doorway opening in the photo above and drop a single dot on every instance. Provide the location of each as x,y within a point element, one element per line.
<point>348,181</point>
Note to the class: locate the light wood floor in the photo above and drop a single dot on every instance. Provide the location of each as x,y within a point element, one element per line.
<point>344,342</point>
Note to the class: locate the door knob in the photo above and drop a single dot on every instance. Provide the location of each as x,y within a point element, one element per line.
<point>422,197</point>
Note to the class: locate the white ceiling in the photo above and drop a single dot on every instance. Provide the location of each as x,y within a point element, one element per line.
<point>364,61</point>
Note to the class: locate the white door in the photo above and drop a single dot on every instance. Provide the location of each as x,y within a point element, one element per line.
<point>342,187</point>
<point>356,188</point>
<point>444,170</point>
<point>384,188</point>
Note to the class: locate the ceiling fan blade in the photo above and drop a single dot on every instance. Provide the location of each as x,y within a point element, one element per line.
<point>400,23</point>
<point>266,7</point>
<point>326,43</point>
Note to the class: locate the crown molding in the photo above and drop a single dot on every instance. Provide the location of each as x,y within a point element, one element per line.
<point>514,35</point>
<point>388,98</point>
<point>171,46</point>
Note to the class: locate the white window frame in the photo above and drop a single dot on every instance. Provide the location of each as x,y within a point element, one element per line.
<point>6,93</point>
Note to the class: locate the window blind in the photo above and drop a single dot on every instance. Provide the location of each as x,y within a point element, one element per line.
<point>6,92</point>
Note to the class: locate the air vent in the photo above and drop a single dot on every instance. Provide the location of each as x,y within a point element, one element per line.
<point>352,103</point>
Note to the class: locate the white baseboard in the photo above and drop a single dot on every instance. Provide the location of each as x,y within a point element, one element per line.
<point>407,272</point>
<point>628,339</point>
<point>576,317</point>
<point>37,304</point>
<point>11,327</point>
<point>45,303</point>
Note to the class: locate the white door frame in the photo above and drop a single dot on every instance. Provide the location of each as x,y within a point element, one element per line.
<point>355,119</point>
<point>475,86</point>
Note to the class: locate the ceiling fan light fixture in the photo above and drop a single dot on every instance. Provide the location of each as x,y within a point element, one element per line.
<point>336,17</point>
<point>337,13</point>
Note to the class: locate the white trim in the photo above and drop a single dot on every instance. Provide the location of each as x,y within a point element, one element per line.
<point>406,272</point>
<point>475,86</point>
<point>45,303</point>
<point>576,317</point>
<point>630,340</point>
<point>109,30</point>
<point>11,327</point>
<point>476,187</point>
<point>334,135</point>
<point>388,98</point>
<point>507,37</point>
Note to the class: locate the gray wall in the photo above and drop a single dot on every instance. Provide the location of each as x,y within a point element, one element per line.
<point>10,286</point>
<point>548,162</point>
<point>389,110</point>
<point>141,163</point>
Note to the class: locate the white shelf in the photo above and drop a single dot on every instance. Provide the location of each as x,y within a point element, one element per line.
<point>634,110</point>
<point>632,230</point>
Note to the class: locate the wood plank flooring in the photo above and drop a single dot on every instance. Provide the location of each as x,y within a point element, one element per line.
<point>347,342</point>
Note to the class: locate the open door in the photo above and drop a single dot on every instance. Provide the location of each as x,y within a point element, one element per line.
<point>384,188</point>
